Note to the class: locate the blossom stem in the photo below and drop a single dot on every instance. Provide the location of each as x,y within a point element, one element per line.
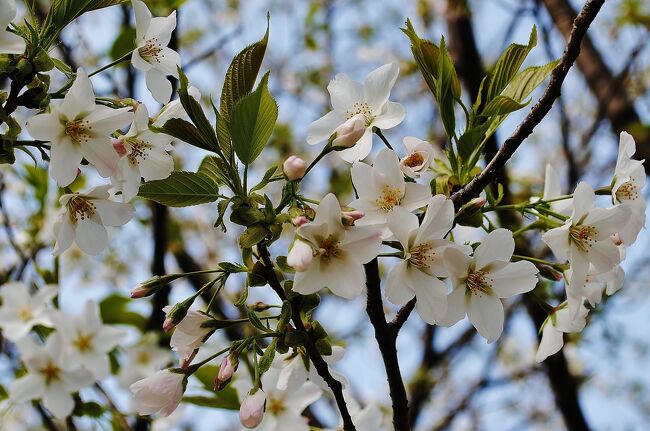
<point>554,265</point>
<point>326,150</point>
<point>382,137</point>
<point>390,255</point>
<point>122,59</point>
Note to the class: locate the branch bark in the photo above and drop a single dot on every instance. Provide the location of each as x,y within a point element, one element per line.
<point>538,112</point>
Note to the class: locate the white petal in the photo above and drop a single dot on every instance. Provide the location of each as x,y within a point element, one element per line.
<point>604,255</point>
<point>91,236</point>
<point>456,307</point>
<point>161,28</point>
<point>323,128</point>
<point>378,83</point>
<point>551,342</point>
<point>431,296</point>
<point>101,154</point>
<point>306,395</point>
<point>158,85</point>
<point>386,170</point>
<point>514,279</point>
<point>392,115</point>
<point>438,220</point>
<point>80,98</point>
<point>142,18</point>
<point>106,120</point>
<point>46,127</point>
<point>58,401</point>
<point>113,213</point>
<point>456,261</point>
<point>345,93</point>
<point>329,212</point>
<point>583,200</point>
<point>397,291</point>
<point>415,196</point>
<point>359,151</point>
<point>139,62</point>
<point>158,165</point>
<point>310,281</point>
<point>362,243</point>
<point>558,241</point>
<point>497,245</point>
<point>486,314</point>
<point>403,224</point>
<point>169,62</point>
<point>29,387</point>
<point>65,236</point>
<point>345,279</point>
<point>65,158</point>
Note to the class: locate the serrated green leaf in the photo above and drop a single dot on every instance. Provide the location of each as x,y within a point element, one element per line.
<point>185,131</point>
<point>223,135</point>
<point>445,89</point>
<point>181,189</point>
<point>470,140</point>
<point>195,112</point>
<point>252,235</point>
<point>502,105</point>
<point>253,120</point>
<point>241,75</point>
<point>425,54</point>
<point>508,65</point>
<point>527,80</point>
<point>215,168</point>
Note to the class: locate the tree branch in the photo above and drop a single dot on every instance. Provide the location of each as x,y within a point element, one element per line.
<point>538,112</point>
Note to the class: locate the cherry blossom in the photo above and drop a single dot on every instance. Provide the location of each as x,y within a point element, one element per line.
<point>48,377</point>
<point>77,128</point>
<point>10,43</point>
<point>481,280</point>
<point>553,189</point>
<point>22,310</point>
<point>418,274</point>
<point>143,359</point>
<point>370,99</point>
<point>143,154</point>
<point>87,341</point>
<point>339,252</point>
<point>293,371</point>
<point>554,328</point>
<point>294,168</point>
<point>188,334</point>
<point>418,158</point>
<point>174,109</point>
<point>151,54</point>
<point>162,392</point>
<point>627,188</point>
<point>349,133</point>
<point>300,256</point>
<point>83,219</point>
<point>251,410</point>
<point>381,187</point>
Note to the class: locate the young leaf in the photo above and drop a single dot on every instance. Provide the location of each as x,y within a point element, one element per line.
<point>425,54</point>
<point>253,120</point>
<point>181,189</point>
<point>502,105</point>
<point>215,168</point>
<point>527,80</point>
<point>241,74</point>
<point>196,114</point>
<point>508,65</point>
<point>185,131</point>
<point>252,235</point>
<point>445,89</point>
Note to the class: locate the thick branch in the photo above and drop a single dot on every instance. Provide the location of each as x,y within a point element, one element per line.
<point>386,336</point>
<point>538,112</point>
<point>315,357</point>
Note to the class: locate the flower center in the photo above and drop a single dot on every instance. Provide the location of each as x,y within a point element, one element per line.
<point>50,372</point>
<point>421,255</point>
<point>583,236</point>
<point>329,249</point>
<point>275,406</point>
<point>627,191</point>
<point>25,314</point>
<point>78,130</point>
<point>390,198</point>
<point>143,358</point>
<point>84,342</point>
<point>361,108</point>
<point>139,150</point>
<point>80,208</point>
<point>478,282</point>
<point>151,51</point>
<point>414,160</point>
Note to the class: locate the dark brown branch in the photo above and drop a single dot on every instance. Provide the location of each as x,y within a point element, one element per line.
<point>319,363</point>
<point>386,336</point>
<point>538,112</point>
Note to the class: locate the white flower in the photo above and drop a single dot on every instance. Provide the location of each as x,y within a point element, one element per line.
<point>284,407</point>
<point>339,252</point>
<point>629,180</point>
<point>293,373</point>
<point>553,189</point>
<point>151,54</point>
<point>21,310</point>
<point>87,341</point>
<point>143,154</point>
<point>554,328</point>
<point>585,238</point>
<point>161,392</point>
<point>481,280</point>
<point>174,109</point>
<point>419,156</point>
<point>78,128</point>
<point>10,43</point>
<point>349,133</point>
<point>143,359</point>
<point>251,410</point>
<point>188,335</point>
<point>381,187</point>
<point>84,217</point>
<point>350,98</point>
<point>48,376</point>
<point>417,275</point>
<point>300,256</point>
<point>595,282</point>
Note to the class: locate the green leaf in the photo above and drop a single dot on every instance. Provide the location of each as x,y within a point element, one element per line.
<point>215,168</point>
<point>253,120</point>
<point>124,43</point>
<point>181,189</point>
<point>242,73</point>
<point>185,131</point>
<point>114,310</point>
<point>256,322</point>
<point>502,105</point>
<point>445,89</point>
<point>265,179</point>
<point>426,55</point>
<point>527,80</point>
<point>223,135</point>
<point>252,235</point>
<point>508,65</point>
<point>267,358</point>
<point>196,114</point>
<point>470,140</point>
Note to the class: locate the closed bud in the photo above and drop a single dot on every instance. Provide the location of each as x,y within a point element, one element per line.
<point>299,221</point>
<point>294,168</point>
<point>549,273</point>
<point>349,217</point>
<point>251,411</point>
<point>151,286</point>
<point>226,371</point>
<point>177,313</point>
<point>300,256</point>
<point>259,306</point>
<point>349,133</point>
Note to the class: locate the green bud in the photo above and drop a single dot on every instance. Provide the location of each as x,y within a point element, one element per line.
<point>324,347</point>
<point>42,61</point>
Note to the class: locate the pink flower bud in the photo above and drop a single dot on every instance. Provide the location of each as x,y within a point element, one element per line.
<point>168,324</point>
<point>120,149</point>
<point>349,217</point>
<point>300,256</point>
<point>478,202</point>
<point>251,411</point>
<point>294,168</point>
<point>140,291</point>
<point>349,133</point>
<point>299,221</point>
<point>226,371</point>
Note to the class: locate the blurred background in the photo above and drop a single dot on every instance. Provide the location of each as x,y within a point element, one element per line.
<point>455,380</point>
